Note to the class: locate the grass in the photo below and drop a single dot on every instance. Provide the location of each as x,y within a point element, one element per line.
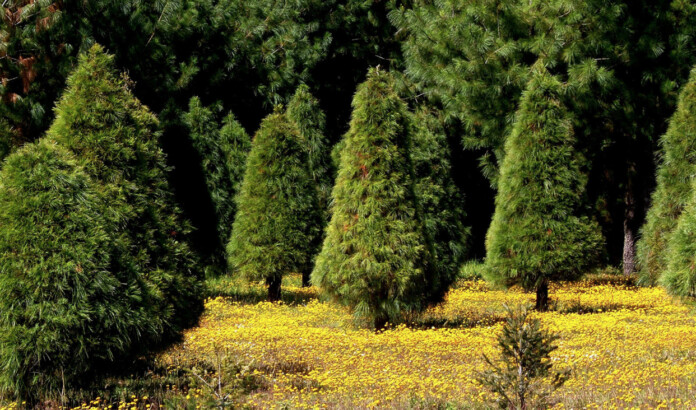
<point>627,347</point>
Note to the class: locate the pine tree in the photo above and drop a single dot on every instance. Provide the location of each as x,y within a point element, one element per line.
<point>538,233</point>
<point>278,218</point>
<point>113,135</point>
<point>62,310</point>
<point>440,202</point>
<point>375,256</point>
<point>223,152</point>
<point>673,191</point>
<point>305,112</point>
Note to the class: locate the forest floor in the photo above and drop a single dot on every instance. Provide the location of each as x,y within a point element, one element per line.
<point>626,347</point>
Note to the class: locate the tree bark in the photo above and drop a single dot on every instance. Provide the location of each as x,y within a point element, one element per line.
<point>630,228</point>
<point>273,283</point>
<point>542,296</point>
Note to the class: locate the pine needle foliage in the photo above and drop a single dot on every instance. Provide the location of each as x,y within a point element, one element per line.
<point>223,151</point>
<point>674,186</point>
<point>520,382</point>
<point>62,311</point>
<point>679,276</point>
<point>538,232</point>
<point>305,112</point>
<point>375,257</point>
<point>440,202</point>
<point>113,135</point>
<point>279,219</point>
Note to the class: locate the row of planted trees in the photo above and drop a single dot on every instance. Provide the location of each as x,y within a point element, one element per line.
<point>94,256</point>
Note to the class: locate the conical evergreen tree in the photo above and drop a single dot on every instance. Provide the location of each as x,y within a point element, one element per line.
<point>375,257</point>
<point>673,189</point>
<point>305,112</point>
<point>538,233</point>
<point>440,202</point>
<point>279,217</point>
<point>223,152</point>
<point>62,311</point>
<point>113,135</point>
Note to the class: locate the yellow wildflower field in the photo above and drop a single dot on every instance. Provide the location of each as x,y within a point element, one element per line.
<point>627,347</point>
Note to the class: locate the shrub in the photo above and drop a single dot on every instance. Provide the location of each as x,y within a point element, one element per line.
<point>539,232</point>
<point>62,311</point>
<point>673,189</point>
<point>521,382</point>
<point>279,218</point>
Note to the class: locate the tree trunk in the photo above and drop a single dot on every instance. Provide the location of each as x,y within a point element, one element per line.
<point>306,279</point>
<point>273,283</point>
<point>381,323</point>
<point>542,296</point>
<point>630,228</point>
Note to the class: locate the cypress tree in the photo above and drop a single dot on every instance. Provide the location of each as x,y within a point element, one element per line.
<point>440,202</point>
<point>375,257</point>
<point>62,311</point>
<point>223,152</point>
<point>113,135</point>
<point>279,217</point>
<point>305,112</point>
<point>673,191</point>
<point>538,233</point>
<point>679,277</point>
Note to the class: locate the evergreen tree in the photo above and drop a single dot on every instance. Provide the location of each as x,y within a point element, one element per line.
<point>113,135</point>
<point>223,152</point>
<point>673,191</point>
<point>62,311</point>
<point>538,233</point>
<point>440,202</point>
<point>375,257</point>
<point>305,112</point>
<point>278,219</point>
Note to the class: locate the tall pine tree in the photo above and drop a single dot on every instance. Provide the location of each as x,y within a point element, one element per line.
<point>305,112</point>
<point>539,233</point>
<point>441,204</point>
<point>114,137</point>
<point>222,151</point>
<point>279,219</point>
<point>375,257</point>
<point>674,187</point>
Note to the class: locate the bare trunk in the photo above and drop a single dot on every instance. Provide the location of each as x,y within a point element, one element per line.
<point>629,248</point>
<point>542,296</point>
<point>305,279</point>
<point>273,283</point>
<point>381,323</point>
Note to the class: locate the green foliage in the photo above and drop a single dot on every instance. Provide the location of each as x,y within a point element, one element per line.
<point>62,309</point>
<point>305,112</point>
<point>538,231</point>
<point>673,191</point>
<point>375,257</point>
<point>6,139</point>
<point>113,136</point>
<point>276,228</point>
<point>441,205</point>
<point>679,276</point>
<point>223,151</point>
<point>522,380</point>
